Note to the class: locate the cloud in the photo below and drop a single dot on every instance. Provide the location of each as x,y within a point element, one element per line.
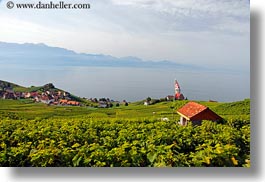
<point>196,15</point>
<point>201,31</point>
<point>187,7</point>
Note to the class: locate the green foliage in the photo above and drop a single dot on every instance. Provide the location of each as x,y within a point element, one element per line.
<point>121,142</point>
<point>148,99</point>
<point>34,134</point>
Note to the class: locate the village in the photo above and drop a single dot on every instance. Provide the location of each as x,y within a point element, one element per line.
<point>46,97</point>
<point>51,96</point>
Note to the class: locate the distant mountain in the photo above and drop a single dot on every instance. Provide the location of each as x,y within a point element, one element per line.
<point>43,55</point>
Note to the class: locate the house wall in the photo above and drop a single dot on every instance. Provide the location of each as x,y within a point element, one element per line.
<point>206,115</point>
<point>197,122</point>
<point>183,121</point>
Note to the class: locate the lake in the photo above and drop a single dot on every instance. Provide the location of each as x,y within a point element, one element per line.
<point>133,84</point>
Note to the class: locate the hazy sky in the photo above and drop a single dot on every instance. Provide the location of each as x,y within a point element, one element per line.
<point>207,32</point>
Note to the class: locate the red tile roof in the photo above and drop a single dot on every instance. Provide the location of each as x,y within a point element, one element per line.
<point>63,101</point>
<point>191,109</point>
<point>73,103</point>
<point>195,111</point>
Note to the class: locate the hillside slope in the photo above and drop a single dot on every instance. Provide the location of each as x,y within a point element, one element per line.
<point>4,85</point>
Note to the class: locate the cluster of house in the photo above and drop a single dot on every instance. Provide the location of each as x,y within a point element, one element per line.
<point>56,97</point>
<point>178,95</point>
<point>47,97</point>
<point>106,102</point>
<point>9,94</point>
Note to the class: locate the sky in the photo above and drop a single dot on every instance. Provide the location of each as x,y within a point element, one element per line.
<point>203,32</point>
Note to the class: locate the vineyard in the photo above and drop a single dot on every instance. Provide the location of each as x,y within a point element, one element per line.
<point>98,140</point>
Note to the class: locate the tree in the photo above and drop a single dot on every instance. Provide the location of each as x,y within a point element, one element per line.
<point>103,99</point>
<point>148,99</point>
<point>110,104</point>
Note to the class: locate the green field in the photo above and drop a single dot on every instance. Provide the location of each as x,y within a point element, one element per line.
<point>27,109</point>
<point>34,134</point>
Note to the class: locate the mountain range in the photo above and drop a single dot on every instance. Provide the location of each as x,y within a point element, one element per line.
<point>44,55</point>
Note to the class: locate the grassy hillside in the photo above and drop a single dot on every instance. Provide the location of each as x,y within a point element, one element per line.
<point>5,84</point>
<point>46,87</point>
<point>18,88</point>
<point>30,110</point>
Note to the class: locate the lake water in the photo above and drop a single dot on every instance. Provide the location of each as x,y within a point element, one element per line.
<point>133,84</point>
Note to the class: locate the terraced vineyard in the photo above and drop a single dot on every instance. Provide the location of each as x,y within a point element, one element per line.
<point>121,136</point>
